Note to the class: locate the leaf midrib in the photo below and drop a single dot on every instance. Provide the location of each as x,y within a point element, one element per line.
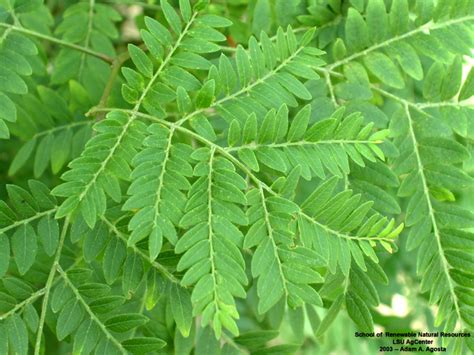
<point>300,144</point>
<point>90,17</point>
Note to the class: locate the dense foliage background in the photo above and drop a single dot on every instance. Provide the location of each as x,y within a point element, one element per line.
<point>234,176</point>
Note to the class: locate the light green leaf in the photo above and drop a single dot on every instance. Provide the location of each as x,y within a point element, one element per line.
<point>125,322</point>
<point>357,34</point>
<point>18,334</point>
<point>299,124</point>
<point>181,308</point>
<point>468,87</point>
<point>215,21</point>
<point>48,233</point>
<point>359,312</point>
<point>86,337</point>
<point>407,58</point>
<point>69,318</point>
<point>11,82</point>
<point>140,59</point>
<point>330,316</point>
<point>142,345</point>
<point>186,10</point>
<point>205,96</point>
<point>24,247</point>
<point>4,254</point>
<point>384,69</point>
<point>399,16</point>
<point>171,16</point>
<point>233,136</point>
<point>377,20</point>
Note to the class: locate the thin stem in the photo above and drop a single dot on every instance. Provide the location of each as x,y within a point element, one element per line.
<point>331,89</point>
<point>465,103</point>
<point>300,144</point>
<point>34,296</point>
<point>136,3</point>
<point>341,235</point>
<point>91,52</point>
<point>273,38</point>
<point>266,216</point>
<point>400,100</point>
<point>325,71</point>
<point>114,72</point>
<point>49,283</point>
<point>420,107</point>
<point>228,49</point>
<point>210,231</point>
<point>90,19</point>
<point>60,128</point>
<point>161,177</point>
<point>27,220</point>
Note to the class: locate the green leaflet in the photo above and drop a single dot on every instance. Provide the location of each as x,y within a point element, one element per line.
<point>5,257</point>
<point>69,318</point>
<point>356,30</point>
<point>377,20</point>
<point>142,62</point>
<point>181,308</point>
<point>17,334</point>
<point>143,345</point>
<point>408,59</point>
<point>24,247</point>
<point>125,322</point>
<point>384,69</point>
<point>399,16</point>
<point>330,316</point>
<point>171,16</point>
<point>468,87</point>
<point>48,233</point>
<point>359,312</point>
<point>133,272</point>
<point>86,337</point>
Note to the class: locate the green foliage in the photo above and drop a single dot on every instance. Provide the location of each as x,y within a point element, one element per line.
<point>208,184</point>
